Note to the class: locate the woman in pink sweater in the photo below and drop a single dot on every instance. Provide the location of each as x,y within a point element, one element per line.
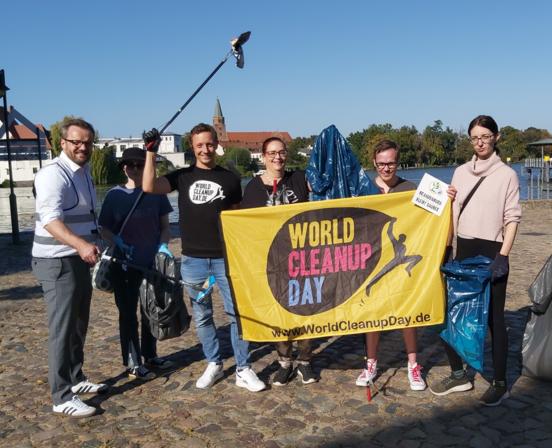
<point>486,226</point>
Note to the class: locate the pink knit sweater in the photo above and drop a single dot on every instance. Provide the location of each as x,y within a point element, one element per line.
<point>493,205</point>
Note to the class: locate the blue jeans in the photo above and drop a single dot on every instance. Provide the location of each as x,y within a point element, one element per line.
<point>196,271</point>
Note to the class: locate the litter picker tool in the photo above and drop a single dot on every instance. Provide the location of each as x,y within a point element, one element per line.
<point>236,51</point>
<point>203,289</point>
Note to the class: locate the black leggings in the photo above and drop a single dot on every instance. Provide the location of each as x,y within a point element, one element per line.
<point>470,248</point>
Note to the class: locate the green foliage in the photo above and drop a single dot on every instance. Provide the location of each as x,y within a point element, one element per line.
<point>513,142</point>
<point>163,166</point>
<point>362,143</point>
<point>103,167</point>
<point>439,145</point>
<point>238,160</point>
<point>299,144</point>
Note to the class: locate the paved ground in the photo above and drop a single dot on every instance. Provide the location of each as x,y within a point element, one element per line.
<point>170,412</point>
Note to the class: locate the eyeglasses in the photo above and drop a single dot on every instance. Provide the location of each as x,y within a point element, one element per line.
<point>78,143</point>
<point>272,154</point>
<point>484,138</point>
<point>137,166</point>
<point>390,165</point>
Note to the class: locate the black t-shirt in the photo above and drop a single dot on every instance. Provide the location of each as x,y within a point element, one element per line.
<point>290,189</point>
<point>202,195</point>
<point>402,185</point>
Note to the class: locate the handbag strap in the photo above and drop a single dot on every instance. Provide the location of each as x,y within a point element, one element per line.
<point>470,194</point>
<point>130,212</point>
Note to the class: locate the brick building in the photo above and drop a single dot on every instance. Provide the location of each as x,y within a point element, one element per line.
<point>250,140</point>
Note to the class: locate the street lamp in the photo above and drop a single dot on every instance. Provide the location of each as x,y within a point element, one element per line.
<point>13,200</point>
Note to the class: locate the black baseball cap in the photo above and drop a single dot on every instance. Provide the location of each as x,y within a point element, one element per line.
<point>132,155</point>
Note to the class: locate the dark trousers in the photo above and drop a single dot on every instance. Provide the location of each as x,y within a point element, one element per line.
<point>304,351</point>
<point>467,248</point>
<point>126,287</point>
<point>67,291</point>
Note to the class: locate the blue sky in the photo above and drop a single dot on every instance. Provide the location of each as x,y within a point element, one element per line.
<point>127,66</point>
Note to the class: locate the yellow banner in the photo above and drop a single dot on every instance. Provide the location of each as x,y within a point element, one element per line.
<point>335,267</point>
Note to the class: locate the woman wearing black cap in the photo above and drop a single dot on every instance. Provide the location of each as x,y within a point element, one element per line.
<point>142,237</point>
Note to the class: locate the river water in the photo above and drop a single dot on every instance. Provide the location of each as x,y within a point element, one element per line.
<point>25,199</point>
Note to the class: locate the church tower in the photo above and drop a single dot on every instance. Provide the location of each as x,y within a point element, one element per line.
<point>218,123</point>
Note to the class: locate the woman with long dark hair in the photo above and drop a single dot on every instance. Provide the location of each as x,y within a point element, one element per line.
<point>486,226</point>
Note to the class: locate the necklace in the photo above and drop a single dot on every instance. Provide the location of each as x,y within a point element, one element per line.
<point>269,179</point>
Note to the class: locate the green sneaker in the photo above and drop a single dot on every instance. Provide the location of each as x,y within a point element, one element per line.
<point>451,384</point>
<point>495,394</point>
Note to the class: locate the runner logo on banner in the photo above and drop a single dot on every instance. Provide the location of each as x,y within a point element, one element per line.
<point>335,267</point>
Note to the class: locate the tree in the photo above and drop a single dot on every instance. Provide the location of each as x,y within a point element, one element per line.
<point>511,143</point>
<point>432,150</point>
<point>237,160</point>
<point>464,149</point>
<point>363,142</point>
<point>367,154</point>
<point>103,166</point>
<point>356,140</point>
<point>299,144</point>
<point>533,134</point>
<point>409,141</point>
<point>163,166</point>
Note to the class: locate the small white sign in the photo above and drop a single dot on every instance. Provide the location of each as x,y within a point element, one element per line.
<point>431,195</point>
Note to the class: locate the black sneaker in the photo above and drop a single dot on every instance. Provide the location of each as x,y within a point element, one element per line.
<point>282,376</point>
<point>141,373</point>
<point>160,363</point>
<point>450,384</point>
<point>495,394</point>
<point>306,374</point>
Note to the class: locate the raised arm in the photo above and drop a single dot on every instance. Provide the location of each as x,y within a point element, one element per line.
<point>150,182</point>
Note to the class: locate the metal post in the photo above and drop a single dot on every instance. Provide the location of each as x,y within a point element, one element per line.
<point>542,160</point>
<point>38,147</point>
<point>13,199</point>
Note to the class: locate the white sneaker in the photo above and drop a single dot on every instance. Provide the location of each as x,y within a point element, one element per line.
<point>87,387</point>
<point>368,374</point>
<point>248,379</point>
<point>212,373</point>
<point>415,377</point>
<point>74,408</point>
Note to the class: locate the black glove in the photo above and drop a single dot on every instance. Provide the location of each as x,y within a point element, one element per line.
<point>448,254</point>
<point>152,139</point>
<point>499,267</point>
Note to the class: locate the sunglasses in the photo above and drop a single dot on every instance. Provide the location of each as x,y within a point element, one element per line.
<point>137,166</point>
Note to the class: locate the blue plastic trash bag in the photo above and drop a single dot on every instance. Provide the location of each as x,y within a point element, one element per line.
<point>333,171</point>
<point>468,296</point>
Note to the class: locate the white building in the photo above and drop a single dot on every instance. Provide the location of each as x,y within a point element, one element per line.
<point>24,148</point>
<point>170,147</point>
